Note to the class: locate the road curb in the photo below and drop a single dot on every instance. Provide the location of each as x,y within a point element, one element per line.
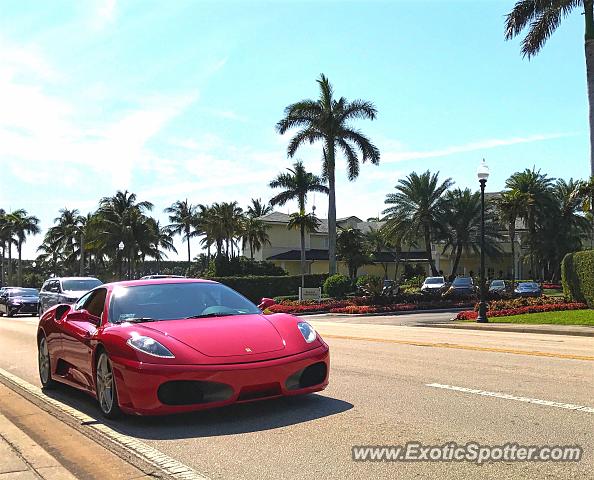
<point>487,328</point>
<point>139,454</point>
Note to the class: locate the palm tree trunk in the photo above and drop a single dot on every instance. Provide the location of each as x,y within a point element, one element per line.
<point>82,254</point>
<point>10,261</point>
<point>189,255</point>
<point>251,251</point>
<point>589,49</point>
<point>302,235</point>
<point>512,236</point>
<point>457,261</point>
<point>331,207</point>
<point>434,271</point>
<point>2,266</point>
<point>20,268</point>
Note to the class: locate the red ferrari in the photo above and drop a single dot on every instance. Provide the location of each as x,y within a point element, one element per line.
<point>174,345</point>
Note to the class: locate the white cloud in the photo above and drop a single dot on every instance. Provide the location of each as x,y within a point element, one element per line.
<point>104,13</point>
<point>391,156</point>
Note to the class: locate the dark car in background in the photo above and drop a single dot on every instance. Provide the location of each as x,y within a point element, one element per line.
<point>461,287</point>
<point>67,290</point>
<point>16,300</point>
<point>528,289</point>
<point>497,287</point>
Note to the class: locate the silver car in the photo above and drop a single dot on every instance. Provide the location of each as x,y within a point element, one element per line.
<point>64,290</point>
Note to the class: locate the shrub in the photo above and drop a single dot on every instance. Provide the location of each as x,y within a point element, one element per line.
<point>362,280</point>
<point>337,286</point>
<point>577,273</point>
<point>519,302</point>
<point>554,307</point>
<point>256,287</point>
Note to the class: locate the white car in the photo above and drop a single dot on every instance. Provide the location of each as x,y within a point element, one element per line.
<point>433,285</point>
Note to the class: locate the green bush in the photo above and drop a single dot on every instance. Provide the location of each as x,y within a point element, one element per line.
<point>577,275</point>
<point>256,287</point>
<point>337,286</point>
<point>362,280</point>
<point>221,266</point>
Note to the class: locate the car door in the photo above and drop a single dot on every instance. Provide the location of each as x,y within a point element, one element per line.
<point>3,300</point>
<point>51,294</point>
<point>78,328</point>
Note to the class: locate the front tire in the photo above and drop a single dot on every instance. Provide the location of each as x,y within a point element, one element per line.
<point>44,364</point>
<point>107,395</point>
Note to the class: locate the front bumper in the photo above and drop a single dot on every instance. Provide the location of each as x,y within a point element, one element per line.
<point>138,383</point>
<point>25,307</point>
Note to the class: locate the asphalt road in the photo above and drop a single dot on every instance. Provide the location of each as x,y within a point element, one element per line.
<point>379,395</point>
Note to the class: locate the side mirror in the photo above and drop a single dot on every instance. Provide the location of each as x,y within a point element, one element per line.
<point>83,316</point>
<point>265,303</point>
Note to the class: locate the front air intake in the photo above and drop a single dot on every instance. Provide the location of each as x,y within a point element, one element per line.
<point>307,377</point>
<point>193,392</point>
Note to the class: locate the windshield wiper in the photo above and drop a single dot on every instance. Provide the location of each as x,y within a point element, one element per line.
<point>139,320</point>
<point>212,314</point>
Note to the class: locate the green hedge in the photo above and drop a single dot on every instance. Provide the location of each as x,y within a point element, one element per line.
<point>255,288</point>
<point>577,275</point>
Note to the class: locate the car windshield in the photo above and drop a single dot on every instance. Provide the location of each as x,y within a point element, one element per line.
<point>173,301</point>
<point>498,283</point>
<point>462,282</point>
<point>23,292</point>
<point>80,285</point>
<point>434,280</point>
<point>528,286</point>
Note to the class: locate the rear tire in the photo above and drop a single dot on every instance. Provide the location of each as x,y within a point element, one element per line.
<point>45,365</point>
<point>107,394</point>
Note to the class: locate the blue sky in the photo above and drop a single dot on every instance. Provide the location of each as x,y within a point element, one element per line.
<point>179,99</point>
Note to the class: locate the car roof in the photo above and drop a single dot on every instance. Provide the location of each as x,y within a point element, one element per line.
<point>156,281</point>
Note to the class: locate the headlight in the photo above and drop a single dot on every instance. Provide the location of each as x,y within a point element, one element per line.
<point>308,332</point>
<point>150,346</point>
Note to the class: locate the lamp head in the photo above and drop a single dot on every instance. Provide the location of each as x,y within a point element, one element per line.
<point>483,171</point>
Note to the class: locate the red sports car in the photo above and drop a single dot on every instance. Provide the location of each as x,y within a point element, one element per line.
<point>174,345</point>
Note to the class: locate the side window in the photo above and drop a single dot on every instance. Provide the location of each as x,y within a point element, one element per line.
<point>96,302</point>
<point>54,286</point>
<point>45,286</point>
<point>81,301</point>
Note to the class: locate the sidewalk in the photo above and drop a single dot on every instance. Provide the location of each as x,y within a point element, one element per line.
<point>36,445</point>
<point>574,330</point>
<point>22,458</point>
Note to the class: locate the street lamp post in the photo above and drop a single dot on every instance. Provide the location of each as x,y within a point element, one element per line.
<point>482,174</point>
<point>120,250</point>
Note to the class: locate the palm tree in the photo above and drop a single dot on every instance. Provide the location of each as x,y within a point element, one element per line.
<point>508,208</point>
<point>182,216</point>
<point>542,18</point>
<point>462,225</point>
<point>350,246</point>
<point>418,205</point>
<point>162,238</point>
<point>22,225</point>
<point>305,222</point>
<point>254,234</point>
<point>328,120</point>
<point>297,183</point>
<point>535,189</point>
<point>258,208</point>
<point>377,243</point>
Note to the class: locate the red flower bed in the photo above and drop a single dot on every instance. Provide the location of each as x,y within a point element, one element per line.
<point>471,314</point>
<point>551,286</point>
<point>361,309</point>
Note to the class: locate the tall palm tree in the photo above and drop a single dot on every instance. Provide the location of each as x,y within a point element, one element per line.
<point>22,225</point>
<point>161,238</point>
<point>418,204</point>
<point>297,183</point>
<point>254,234</point>
<point>535,188</point>
<point>258,208</point>
<point>329,121</point>
<point>508,208</point>
<point>542,18</point>
<point>182,216</point>
<point>462,225</point>
<point>304,222</point>
<point>3,241</point>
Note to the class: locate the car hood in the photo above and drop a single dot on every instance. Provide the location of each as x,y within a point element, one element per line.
<point>23,299</point>
<point>434,285</point>
<point>75,293</point>
<point>224,336</point>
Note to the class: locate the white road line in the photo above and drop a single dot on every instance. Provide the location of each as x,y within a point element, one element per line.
<point>507,396</point>
<point>154,457</point>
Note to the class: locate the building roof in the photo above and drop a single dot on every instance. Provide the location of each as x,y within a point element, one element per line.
<point>322,254</point>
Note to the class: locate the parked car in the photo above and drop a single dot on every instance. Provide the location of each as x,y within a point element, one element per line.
<point>176,345</point>
<point>433,285</point>
<point>462,287</point>
<point>528,289</point>
<point>64,290</point>
<point>15,300</point>
<point>497,287</point>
